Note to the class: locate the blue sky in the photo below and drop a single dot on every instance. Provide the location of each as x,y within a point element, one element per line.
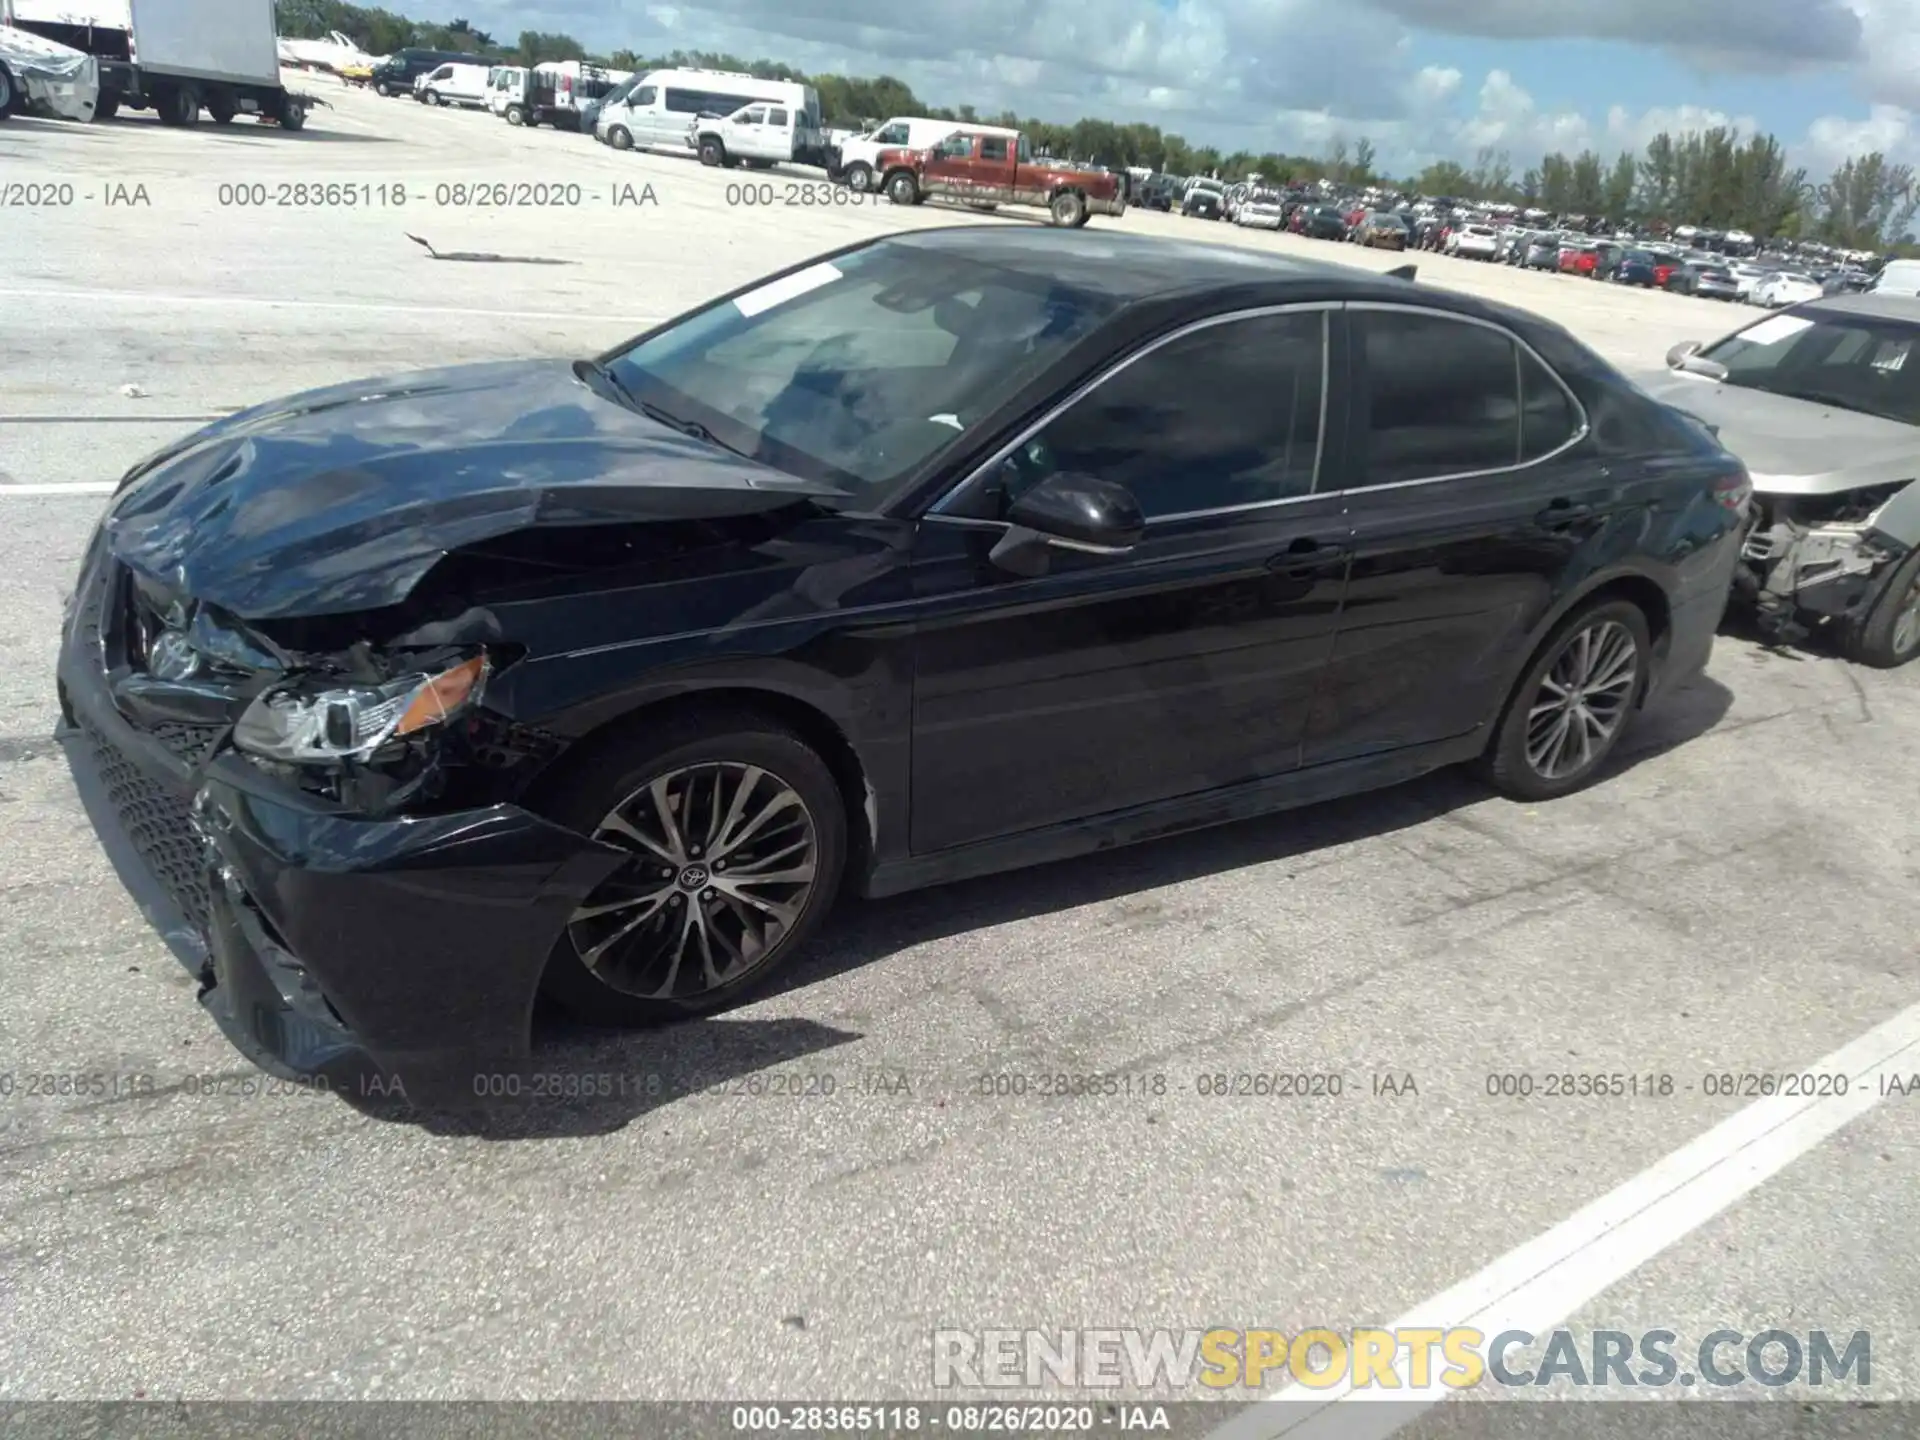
<point>1423,79</point>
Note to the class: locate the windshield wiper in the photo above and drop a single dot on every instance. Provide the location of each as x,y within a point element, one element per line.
<point>592,371</point>
<point>692,429</point>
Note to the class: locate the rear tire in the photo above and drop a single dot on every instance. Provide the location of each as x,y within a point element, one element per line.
<point>108,105</point>
<point>293,113</point>
<point>9,92</point>
<point>180,106</point>
<point>1068,209</point>
<point>1535,754</point>
<point>805,828</point>
<point>1890,635</point>
<point>221,109</point>
<point>860,176</point>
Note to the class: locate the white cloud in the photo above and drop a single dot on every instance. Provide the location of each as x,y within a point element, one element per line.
<point>1292,75</point>
<point>1757,34</point>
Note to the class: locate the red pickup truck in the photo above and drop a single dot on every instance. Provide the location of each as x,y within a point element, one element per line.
<point>987,169</point>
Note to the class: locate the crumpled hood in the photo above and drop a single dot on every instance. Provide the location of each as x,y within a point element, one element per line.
<point>342,499</point>
<point>1793,447</point>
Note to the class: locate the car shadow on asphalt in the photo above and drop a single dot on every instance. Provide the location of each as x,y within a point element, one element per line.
<point>597,1081</point>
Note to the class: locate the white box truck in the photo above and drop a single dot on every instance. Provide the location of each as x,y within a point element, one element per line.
<point>175,57</point>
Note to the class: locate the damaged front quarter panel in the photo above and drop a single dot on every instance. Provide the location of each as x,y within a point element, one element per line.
<point>1823,554</point>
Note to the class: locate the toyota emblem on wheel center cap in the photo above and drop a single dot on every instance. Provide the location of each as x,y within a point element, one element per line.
<point>694,877</point>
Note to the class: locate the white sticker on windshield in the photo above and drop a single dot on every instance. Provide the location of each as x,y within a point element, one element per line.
<point>1775,329</point>
<point>787,287</point>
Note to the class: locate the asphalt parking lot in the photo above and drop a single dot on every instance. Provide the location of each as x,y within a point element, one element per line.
<point>1737,898</point>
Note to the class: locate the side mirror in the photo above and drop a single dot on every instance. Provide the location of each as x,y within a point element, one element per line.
<point>1677,356</point>
<point>1081,513</point>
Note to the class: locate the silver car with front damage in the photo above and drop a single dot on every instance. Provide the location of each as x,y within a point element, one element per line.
<point>1822,402</point>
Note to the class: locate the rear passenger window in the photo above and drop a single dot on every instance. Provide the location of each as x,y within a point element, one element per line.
<point>1548,416</point>
<point>777,119</point>
<point>1442,397</point>
<point>993,147</point>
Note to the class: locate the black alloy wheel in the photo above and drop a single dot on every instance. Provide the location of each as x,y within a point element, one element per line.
<point>737,839</point>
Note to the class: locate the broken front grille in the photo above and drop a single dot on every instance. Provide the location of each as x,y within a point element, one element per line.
<point>156,821</point>
<point>187,742</point>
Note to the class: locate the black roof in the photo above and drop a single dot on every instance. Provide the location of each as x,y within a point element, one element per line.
<point>1140,269</point>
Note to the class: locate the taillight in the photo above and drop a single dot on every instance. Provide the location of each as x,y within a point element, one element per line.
<point>1731,492</point>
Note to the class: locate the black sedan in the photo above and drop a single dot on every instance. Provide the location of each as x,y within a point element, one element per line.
<point>400,702</point>
<point>1323,222</point>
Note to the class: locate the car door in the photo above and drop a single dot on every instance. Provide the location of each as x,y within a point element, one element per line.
<point>1470,502</point>
<point>776,135</point>
<point>1186,665</point>
<point>747,132</point>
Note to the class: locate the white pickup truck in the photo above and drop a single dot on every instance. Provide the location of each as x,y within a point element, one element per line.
<point>761,134</point>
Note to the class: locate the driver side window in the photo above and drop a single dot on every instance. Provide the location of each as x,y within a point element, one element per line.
<point>1224,416</point>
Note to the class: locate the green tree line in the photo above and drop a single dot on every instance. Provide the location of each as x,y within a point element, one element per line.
<point>1714,178</point>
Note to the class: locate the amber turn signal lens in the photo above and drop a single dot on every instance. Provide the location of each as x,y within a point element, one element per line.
<point>442,695</point>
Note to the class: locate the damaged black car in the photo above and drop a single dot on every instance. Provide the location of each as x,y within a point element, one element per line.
<point>401,703</point>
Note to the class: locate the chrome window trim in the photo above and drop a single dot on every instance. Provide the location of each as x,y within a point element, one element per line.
<point>1581,431</point>
<point>1324,308</point>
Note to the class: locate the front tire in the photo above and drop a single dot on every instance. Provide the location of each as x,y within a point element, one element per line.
<point>516,115</point>
<point>712,153</point>
<point>1890,635</point>
<point>620,138</point>
<point>1574,702</point>
<point>738,834</point>
<point>902,188</point>
<point>9,92</point>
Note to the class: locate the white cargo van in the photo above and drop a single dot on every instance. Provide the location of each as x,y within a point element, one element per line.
<point>456,85</point>
<point>662,111</point>
<point>913,132</point>
<point>1899,277</point>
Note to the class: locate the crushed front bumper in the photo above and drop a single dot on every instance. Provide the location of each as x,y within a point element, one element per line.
<point>327,944</point>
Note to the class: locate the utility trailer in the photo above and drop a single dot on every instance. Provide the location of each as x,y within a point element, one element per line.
<point>174,57</point>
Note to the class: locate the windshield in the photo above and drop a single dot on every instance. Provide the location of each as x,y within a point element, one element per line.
<point>855,372</point>
<point>1853,362</point>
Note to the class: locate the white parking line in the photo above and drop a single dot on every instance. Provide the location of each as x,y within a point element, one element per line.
<point>134,297</point>
<point>77,487</point>
<point>1536,1286</point>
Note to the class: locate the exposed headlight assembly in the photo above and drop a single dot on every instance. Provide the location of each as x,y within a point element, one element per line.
<point>309,726</point>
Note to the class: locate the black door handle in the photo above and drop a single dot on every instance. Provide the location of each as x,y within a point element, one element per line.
<point>1561,513</point>
<point>1307,557</point>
